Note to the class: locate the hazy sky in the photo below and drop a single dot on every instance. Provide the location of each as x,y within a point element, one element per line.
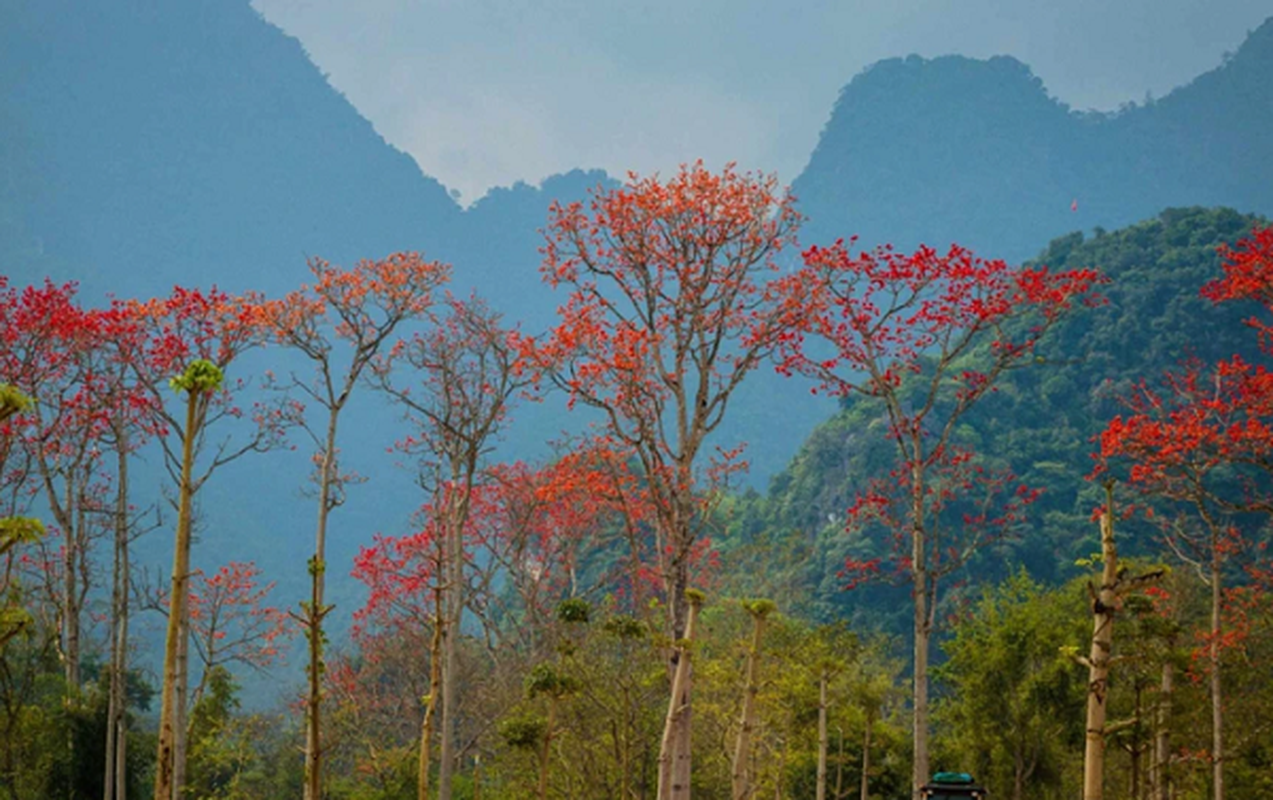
<point>487,92</point>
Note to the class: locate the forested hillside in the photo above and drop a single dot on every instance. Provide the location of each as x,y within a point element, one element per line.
<point>1040,424</point>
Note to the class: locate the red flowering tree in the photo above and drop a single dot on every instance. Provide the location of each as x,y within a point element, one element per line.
<point>674,298</point>
<point>467,372</point>
<point>341,323</point>
<point>51,351</point>
<point>927,335</point>
<point>230,622</point>
<point>1201,440</point>
<point>551,521</point>
<point>183,345</point>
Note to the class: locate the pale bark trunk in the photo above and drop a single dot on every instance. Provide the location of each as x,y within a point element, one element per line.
<point>668,788</point>
<point>119,678</point>
<point>115,707</point>
<point>168,717</point>
<point>1217,699</point>
<point>922,626</point>
<point>739,778</point>
<point>182,711</point>
<point>1103,608</point>
<point>313,788</point>
<point>426,725</point>
<point>1162,741</point>
<point>865,794</point>
<point>821,789</point>
<point>70,589</point>
<point>450,648</point>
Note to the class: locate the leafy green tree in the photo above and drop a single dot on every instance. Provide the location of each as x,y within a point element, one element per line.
<point>1013,706</point>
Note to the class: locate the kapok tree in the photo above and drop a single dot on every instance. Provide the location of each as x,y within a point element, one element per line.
<point>674,298</point>
<point>341,323</point>
<point>1200,439</point>
<point>184,344</point>
<point>231,623</point>
<point>467,372</point>
<point>549,523</point>
<point>51,351</point>
<point>927,335</point>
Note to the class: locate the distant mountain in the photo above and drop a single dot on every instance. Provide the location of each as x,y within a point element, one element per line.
<point>954,149</point>
<point>155,142</point>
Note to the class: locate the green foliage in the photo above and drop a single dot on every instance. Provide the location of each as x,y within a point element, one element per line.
<point>525,732</point>
<point>200,377</point>
<point>574,610</point>
<point>12,401</point>
<point>1012,712</point>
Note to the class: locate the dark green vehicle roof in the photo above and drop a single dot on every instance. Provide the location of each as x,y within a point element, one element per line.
<point>952,786</point>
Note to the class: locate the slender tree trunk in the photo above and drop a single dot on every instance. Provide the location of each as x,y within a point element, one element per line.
<point>113,694</point>
<point>839,767</point>
<point>1161,773</point>
<point>314,614</point>
<point>677,707</point>
<point>450,646</point>
<point>430,706</point>
<point>1104,604</point>
<point>922,625</point>
<point>682,730</point>
<point>181,710</point>
<point>739,779</point>
<point>168,716</point>
<point>1217,699</point>
<point>821,790</point>
<point>70,592</point>
<point>865,794</point>
<point>118,625</point>
<point>922,631</point>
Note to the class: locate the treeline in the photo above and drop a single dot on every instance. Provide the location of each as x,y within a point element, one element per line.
<point>578,627</point>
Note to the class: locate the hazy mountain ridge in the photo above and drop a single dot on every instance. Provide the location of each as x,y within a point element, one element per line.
<point>957,149</point>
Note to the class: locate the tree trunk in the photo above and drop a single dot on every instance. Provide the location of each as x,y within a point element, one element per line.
<point>182,711</point>
<point>70,590</point>
<point>113,783</point>
<point>450,647</point>
<point>1161,772</point>
<point>839,768</point>
<point>922,630</point>
<point>821,790</point>
<point>119,678</point>
<point>1213,654</point>
<point>739,781</point>
<point>922,624</point>
<point>866,759</point>
<point>1104,604</point>
<point>168,717</point>
<point>314,615</point>
<point>683,724</point>
<point>677,707</point>
<point>430,706</point>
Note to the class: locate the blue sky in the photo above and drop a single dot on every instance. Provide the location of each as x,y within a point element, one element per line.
<point>488,92</point>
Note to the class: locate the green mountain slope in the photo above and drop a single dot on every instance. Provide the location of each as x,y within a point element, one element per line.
<point>1039,424</point>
